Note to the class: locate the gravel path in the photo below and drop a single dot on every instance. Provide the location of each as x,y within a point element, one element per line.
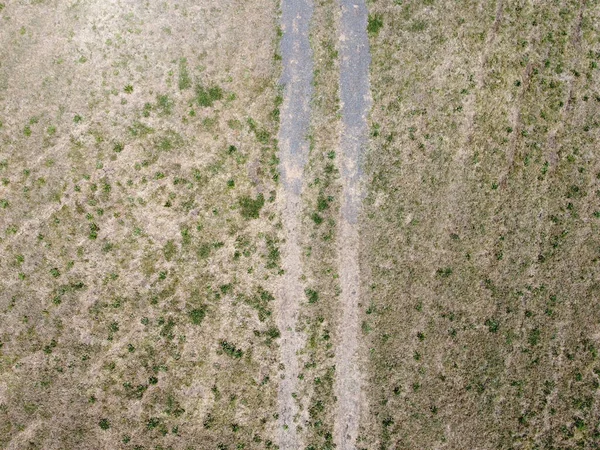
<point>356,101</point>
<point>294,147</point>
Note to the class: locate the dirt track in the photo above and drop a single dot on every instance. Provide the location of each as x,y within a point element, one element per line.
<point>355,99</point>
<point>295,120</point>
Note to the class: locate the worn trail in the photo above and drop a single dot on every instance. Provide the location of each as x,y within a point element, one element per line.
<point>293,152</point>
<point>356,101</point>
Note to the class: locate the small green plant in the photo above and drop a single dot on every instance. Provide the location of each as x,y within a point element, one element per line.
<point>184,81</point>
<point>169,250</point>
<point>534,337</point>
<point>316,218</point>
<point>312,295</point>
<point>207,97</point>
<point>323,203</point>
<point>164,105</point>
<point>444,272</point>
<point>55,272</point>
<point>375,23</point>
<point>418,25</point>
<point>230,349</point>
<point>104,424</point>
<point>197,315</point>
<point>204,250</point>
<point>128,89</point>
<point>152,423</point>
<point>492,325</point>
<point>48,348</point>
<point>250,208</point>
<point>138,129</point>
<point>273,333</point>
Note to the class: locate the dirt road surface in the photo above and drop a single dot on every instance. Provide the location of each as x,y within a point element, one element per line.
<point>355,99</point>
<point>294,147</point>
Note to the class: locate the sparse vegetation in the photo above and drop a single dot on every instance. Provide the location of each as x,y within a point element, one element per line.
<point>478,201</point>
<point>206,97</point>
<point>142,241</point>
<point>116,212</point>
<point>250,207</point>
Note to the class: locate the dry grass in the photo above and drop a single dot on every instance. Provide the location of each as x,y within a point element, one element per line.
<point>481,230</point>
<point>139,232</point>
<point>136,254</point>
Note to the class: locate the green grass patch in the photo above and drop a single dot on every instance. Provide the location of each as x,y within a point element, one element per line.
<point>250,207</point>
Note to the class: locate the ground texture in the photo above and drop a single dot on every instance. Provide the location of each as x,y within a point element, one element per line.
<point>227,225</point>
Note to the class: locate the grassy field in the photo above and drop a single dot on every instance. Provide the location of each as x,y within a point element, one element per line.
<point>481,245</point>
<point>139,234</point>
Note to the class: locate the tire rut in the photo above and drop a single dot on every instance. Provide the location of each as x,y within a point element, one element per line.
<point>355,99</point>
<point>296,79</point>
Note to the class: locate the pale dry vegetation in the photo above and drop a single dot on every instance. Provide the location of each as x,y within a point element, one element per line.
<point>140,229</point>
<point>139,236</point>
<point>481,245</point>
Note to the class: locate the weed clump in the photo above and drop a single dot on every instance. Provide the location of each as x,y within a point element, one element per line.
<point>164,105</point>
<point>93,231</point>
<point>230,349</point>
<point>374,24</point>
<point>184,81</point>
<point>250,208</point>
<point>312,295</point>
<point>197,315</point>
<point>207,97</point>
